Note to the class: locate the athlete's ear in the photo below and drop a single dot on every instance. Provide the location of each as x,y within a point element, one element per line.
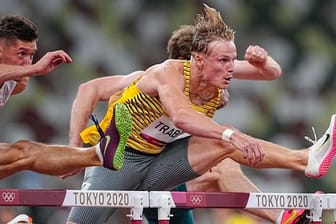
<point>199,60</point>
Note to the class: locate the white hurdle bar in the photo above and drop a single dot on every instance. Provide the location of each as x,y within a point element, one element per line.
<point>165,200</point>
<point>315,203</point>
<point>135,200</point>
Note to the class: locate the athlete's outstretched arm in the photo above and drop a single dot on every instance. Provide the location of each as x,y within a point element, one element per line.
<point>88,95</point>
<point>42,67</point>
<point>258,65</point>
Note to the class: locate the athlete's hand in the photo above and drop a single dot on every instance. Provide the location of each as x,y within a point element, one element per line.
<point>252,151</point>
<point>256,56</point>
<point>49,62</point>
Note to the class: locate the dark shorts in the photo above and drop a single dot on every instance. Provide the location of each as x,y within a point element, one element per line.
<point>139,172</point>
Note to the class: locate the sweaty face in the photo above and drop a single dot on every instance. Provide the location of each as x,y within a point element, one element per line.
<point>17,52</point>
<point>218,63</point>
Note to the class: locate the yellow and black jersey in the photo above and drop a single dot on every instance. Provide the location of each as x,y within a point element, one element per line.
<point>152,129</point>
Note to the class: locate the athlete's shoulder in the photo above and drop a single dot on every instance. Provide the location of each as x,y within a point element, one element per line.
<point>173,62</point>
<point>173,66</point>
<point>168,66</point>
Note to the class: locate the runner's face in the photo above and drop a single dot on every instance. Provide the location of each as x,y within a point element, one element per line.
<point>17,52</point>
<point>218,63</point>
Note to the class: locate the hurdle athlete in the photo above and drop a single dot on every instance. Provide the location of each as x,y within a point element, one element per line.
<point>18,45</point>
<point>179,47</point>
<point>144,153</point>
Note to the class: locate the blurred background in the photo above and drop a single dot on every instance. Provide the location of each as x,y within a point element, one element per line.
<point>117,37</point>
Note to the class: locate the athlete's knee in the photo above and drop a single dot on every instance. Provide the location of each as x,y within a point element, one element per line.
<point>21,147</point>
<point>225,148</point>
<point>22,154</point>
<point>227,167</point>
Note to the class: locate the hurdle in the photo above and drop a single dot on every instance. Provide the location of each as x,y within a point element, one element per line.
<point>135,200</point>
<point>315,203</point>
<point>165,200</point>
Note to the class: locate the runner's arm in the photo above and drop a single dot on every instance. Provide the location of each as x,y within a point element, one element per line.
<point>258,65</point>
<point>88,95</point>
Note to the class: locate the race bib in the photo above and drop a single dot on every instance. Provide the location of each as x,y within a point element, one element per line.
<point>162,131</point>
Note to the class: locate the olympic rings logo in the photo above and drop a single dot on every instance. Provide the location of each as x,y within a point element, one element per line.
<point>196,199</point>
<point>8,196</point>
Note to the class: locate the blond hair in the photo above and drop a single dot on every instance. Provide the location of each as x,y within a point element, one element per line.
<point>209,27</point>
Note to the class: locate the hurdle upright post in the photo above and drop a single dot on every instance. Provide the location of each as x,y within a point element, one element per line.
<point>164,211</point>
<point>318,203</point>
<point>332,204</point>
<point>139,202</point>
<point>164,202</point>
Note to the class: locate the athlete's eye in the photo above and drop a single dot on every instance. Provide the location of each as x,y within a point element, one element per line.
<point>224,60</point>
<point>20,54</point>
